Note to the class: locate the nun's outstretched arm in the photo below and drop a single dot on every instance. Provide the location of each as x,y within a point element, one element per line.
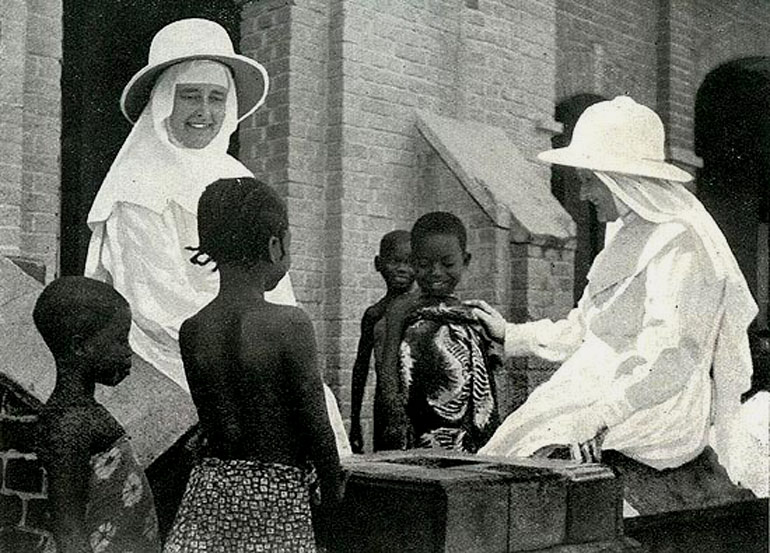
<point>551,340</point>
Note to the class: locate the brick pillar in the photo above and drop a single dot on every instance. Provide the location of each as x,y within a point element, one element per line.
<point>25,523</point>
<point>542,276</point>
<point>42,135</point>
<point>677,78</point>
<point>292,144</point>
<point>13,17</point>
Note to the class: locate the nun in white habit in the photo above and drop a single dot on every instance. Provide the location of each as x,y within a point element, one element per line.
<point>184,104</point>
<point>655,356</point>
<point>188,100</point>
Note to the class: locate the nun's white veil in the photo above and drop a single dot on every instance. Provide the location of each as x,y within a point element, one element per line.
<point>151,170</point>
<point>660,201</point>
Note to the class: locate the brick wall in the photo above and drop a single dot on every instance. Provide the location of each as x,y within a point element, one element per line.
<point>607,47</point>
<point>24,517</point>
<point>726,31</point>
<point>338,135</point>
<point>30,126</point>
<point>490,64</point>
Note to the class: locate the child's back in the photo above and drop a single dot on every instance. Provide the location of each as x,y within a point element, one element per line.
<point>251,368</point>
<point>252,373</point>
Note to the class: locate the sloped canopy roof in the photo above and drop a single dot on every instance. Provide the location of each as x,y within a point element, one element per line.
<point>499,177</point>
<point>154,411</point>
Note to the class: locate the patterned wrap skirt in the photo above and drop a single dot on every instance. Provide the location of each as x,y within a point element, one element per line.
<point>244,505</point>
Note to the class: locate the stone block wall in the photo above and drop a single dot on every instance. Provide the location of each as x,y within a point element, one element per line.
<point>24,516</point>
<point>30,126</point>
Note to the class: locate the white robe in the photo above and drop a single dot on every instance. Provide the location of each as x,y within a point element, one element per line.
<point>144,218</point>
<point>636,352</point>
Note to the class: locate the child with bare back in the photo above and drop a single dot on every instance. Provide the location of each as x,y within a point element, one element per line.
<point>393,264</point>
<point>437,358</point>
<point>251,367</point>
<point>99,496</point>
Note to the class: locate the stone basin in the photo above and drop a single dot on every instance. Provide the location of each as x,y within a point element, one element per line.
<point>437,501</point>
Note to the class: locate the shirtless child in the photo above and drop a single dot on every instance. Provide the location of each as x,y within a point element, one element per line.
<point>393,264</point>
<point>251,366</point>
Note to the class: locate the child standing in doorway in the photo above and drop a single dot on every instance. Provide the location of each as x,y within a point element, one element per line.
<point>99,495</point>
<point>393,264</point>
<point>437,351</point>
<point>251,367</point>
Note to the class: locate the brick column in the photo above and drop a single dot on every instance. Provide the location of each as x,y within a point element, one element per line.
<point>42,135</point>
<point>542,277</point>
<point>677,80</point>
<point>292,144</point>
<point>13,17</point>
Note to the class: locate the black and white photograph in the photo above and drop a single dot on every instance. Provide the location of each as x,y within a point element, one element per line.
<point>384,276</point>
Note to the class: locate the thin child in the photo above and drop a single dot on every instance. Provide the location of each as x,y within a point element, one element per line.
<point>393,264</point>
<point>251,366</point>
<point>99,495</point>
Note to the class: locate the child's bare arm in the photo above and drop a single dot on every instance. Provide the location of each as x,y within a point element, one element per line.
<point>311,404</point>
<point>67,462</point>
<point>360,375</point>
<point>394,434</point>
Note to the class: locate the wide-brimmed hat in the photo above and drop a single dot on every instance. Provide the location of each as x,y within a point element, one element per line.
<point>194,39</point>
<point>619,136</point>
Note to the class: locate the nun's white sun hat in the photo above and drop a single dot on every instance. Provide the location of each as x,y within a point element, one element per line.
<point>195,39</point>
<point>618,136</point>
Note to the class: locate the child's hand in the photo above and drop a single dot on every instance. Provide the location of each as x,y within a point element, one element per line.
<point>356,439</point>
<point>488,316</point>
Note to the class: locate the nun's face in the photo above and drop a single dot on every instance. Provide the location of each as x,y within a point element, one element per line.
<point>199,110</point>
<point>595,191</point>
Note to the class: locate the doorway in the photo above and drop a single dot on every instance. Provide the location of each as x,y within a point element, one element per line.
<point>732,136</point>
<point>105,43</point>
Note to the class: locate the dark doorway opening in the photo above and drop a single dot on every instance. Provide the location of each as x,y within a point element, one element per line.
<point>732,136</point>
<point>565,186</point>
<point>105,43</point>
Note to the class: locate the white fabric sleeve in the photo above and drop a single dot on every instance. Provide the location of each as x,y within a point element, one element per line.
<point>554,341</point>
<point>679,306</point>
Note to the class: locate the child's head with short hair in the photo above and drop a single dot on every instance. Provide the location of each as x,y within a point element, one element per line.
<point>393,261</point>
<point>243,222</point>
<point>439,257</point>
<point>85,323</point>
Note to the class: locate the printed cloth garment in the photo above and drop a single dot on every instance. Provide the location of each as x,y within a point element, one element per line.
<point>446,378</point>
<point>120,515</point>
<point>244,505</point>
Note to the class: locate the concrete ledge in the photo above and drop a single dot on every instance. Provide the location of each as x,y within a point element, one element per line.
<point>438,501</point>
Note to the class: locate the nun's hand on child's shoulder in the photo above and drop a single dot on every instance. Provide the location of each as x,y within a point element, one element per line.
<point>490,317</point>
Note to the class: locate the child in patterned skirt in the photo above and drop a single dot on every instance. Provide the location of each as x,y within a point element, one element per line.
<point>251,367</point>
<point>99,496</point>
